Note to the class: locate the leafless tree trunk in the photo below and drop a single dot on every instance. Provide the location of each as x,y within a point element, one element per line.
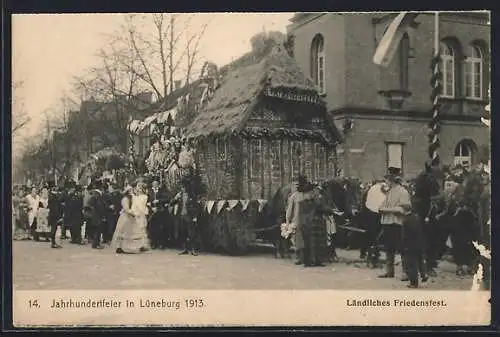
<point>20,116</point>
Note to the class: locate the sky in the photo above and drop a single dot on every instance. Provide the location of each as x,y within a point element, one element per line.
<point>49,49</point>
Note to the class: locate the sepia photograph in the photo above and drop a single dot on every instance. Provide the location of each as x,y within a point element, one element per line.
<point>251,169</point>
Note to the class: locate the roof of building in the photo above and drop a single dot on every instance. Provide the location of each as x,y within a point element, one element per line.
<point>244,82</point>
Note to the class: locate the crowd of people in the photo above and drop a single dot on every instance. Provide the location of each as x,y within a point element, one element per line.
<point>130,220</point>
<point>420,220</point>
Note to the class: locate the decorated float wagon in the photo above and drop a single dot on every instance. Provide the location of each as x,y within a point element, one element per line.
<point>263,126</point>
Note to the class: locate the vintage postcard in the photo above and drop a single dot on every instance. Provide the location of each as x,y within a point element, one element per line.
<point>251,169</point>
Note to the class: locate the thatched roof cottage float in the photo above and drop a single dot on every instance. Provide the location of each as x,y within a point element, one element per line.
<point>264,124</point>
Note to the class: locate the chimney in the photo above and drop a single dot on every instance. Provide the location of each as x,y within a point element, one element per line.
<point>177,84</point>
<point>145,97</point>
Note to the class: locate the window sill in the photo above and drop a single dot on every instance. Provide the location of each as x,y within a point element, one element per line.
<point>464,99</point>
<point>322,95</point>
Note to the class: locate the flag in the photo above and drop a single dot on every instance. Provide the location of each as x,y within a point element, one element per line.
<point>390,41</point>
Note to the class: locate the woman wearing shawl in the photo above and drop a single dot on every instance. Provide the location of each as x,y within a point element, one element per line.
<point>299,205</point>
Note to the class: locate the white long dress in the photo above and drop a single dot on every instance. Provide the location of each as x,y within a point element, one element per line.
<point>131,229</point>
<point>33,202</point>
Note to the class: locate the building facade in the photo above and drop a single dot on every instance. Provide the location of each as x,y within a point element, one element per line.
<point>336,50</point>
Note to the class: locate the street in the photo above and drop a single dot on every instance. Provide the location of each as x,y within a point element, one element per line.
<point>37,266</point>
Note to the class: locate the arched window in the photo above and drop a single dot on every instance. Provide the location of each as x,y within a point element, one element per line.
<point>448,70</point>
<point>318,62</point>
<point>464,152</point>
<point>404,53</point>
<point>474,73</point>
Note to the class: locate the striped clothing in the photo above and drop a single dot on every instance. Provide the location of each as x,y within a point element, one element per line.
<point>397,196</point>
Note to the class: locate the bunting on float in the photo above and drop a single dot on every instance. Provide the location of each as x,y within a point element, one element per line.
<point>210,205</point>
<point>244,204</point>
<point>262,204</point>
<point>232,204</point>
<point>136,126</point>
<point>220,205</point>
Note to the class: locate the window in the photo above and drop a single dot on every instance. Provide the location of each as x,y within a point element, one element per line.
<point>296,158</point>
<point>395,155</point>
<point>463,153</point>
<point>318,63</point>
<point>321,162</point>
<point>142,142</point>
<point>404,54</point>
<point>255,158</point>
<point>276,159</point>
<point>448,70</point>
<point>220,146</point>
<point>474,74</point>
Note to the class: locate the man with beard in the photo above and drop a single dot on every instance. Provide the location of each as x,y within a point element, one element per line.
<point>427,193</point>
<point>112,199</point>
<point>73,212</point>
<point>157,223</point>
<point>55,206</point>
<point>94,213</point>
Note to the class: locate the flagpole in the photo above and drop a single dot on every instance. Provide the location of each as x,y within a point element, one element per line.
<point>436,92</point>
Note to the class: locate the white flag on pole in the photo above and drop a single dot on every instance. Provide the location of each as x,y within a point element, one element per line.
<point>390,41</point>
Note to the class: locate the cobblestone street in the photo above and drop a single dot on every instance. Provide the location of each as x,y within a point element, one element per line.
<point>37,266</point>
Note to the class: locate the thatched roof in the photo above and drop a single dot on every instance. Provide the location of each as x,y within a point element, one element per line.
<point>276,74</point>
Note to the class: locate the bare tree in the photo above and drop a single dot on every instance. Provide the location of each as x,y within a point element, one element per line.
<point>158,48</point>
<point>20,117</point>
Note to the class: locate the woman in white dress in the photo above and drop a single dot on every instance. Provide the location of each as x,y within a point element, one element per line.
<point>42,216</point>
<point>33,200</point>
<point>130,234</point>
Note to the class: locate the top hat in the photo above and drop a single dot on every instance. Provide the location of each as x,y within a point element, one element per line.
<point>393,172</point>
<point>69,184</point>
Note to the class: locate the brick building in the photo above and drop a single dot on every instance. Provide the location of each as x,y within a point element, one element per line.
<point>336,50</point>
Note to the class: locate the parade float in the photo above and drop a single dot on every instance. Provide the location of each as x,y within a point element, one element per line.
<point>249,132</point>
<point>108,163</point>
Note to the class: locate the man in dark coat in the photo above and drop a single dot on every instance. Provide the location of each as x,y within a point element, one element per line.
<point>413,247</point>
<point>94,212</point>
<point>187,211</point>
<point>55,212</point>
<point>157,200</point>
<point>112,200</point>
<point>427,193</point>
<point>73,212</point>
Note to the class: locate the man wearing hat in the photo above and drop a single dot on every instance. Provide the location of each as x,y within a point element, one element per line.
<point>55,206</point>
<point>426,198</point>
<point>186,210</point>
<point>157,223</point>
<point>73,204</point>
<point>392,215</point>
<point>112,200</point>
<point>94,212</point>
